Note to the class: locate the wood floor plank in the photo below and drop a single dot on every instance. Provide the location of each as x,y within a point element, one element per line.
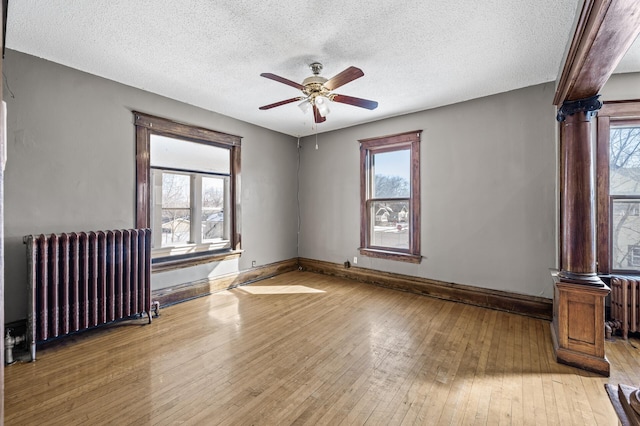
<point>304,348</point>
<point>401,396</point>
<point>461,389</point>
<point>451,386</point>
<point>432,372</point>
<point>392,342</point>
<point>477,405</point>
<point>536,414</point>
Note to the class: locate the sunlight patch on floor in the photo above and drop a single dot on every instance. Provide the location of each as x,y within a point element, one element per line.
<point>278,289</point>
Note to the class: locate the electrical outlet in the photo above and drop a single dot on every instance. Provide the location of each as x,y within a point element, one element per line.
<point>355,260</point>
<point>253,263</point>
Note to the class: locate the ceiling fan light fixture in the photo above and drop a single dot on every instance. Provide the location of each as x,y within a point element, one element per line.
<point>322,104</point>
<point>318,91</point>
<point>304,106</point>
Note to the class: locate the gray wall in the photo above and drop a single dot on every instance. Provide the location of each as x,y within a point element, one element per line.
<point>488,192</point>
<point>622,87</point>
<point>71,167</point>
<point>488,179</point>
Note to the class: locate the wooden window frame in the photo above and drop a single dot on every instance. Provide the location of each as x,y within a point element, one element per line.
<point>146,125</point>
<point>382,144</point>
<point>611,113</point>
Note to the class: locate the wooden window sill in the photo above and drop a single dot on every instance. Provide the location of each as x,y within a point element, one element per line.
<point>391,255</point>
<point>168,264</point>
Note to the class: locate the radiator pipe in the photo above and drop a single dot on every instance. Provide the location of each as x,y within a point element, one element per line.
<point>9,343</point>
<point>607,331</point>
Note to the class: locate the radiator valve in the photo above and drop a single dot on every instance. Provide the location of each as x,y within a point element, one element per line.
<point>9,343</point>
<point>610,328</point>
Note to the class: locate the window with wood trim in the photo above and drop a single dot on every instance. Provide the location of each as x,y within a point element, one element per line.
<point>187,190</point>
<point>618,186</point>
<point>390,197</point>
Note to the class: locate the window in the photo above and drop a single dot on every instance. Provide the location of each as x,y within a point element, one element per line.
<point>187,190</point>
<point>618,164</point>
<point>390,197</point>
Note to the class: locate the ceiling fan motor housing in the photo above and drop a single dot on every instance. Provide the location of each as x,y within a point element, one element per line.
<point>314,85</point>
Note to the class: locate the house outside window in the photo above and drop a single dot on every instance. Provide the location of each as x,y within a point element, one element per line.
<point>633,257</point>
<point>390,197</point>
<point>188,189</point>
<point>618,163</point>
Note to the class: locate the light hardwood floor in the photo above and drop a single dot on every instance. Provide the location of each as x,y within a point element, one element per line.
<point>304,348</point>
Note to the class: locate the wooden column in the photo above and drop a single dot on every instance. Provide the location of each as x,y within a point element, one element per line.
<point>578,207</point>
<point>603,31</point>
<point>578,312</point>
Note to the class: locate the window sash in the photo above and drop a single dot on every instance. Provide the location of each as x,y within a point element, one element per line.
<point>195,241</point>
<point>376,168</point>
<point>393,228</point>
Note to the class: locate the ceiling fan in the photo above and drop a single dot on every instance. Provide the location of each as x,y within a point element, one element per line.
<point>318,91</point>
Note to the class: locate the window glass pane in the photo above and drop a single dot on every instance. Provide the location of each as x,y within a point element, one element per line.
<point>391,174</point>
<point>181,154</point>
<point>390,223</point>
<point>624,160</point>
<point>176,213</point>
<point>175,190</point>
<point>176,226</point>
<point>625,228</point>
<point>212,208</point>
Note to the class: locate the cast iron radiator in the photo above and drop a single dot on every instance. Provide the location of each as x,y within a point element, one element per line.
<point>82,280</point>
<point>625,303</point>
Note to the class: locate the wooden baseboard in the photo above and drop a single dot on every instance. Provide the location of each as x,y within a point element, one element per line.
<point>183,292</point>
<point>532,306</point>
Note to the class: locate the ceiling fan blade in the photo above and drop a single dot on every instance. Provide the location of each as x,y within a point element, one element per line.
<point>287,101</point>
<point>343,78</point>
<point>282,80</point>
<point>316,115</point>
<point>359,102</point>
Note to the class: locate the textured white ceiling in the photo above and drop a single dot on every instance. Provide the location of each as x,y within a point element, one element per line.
<point>415,54</point>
